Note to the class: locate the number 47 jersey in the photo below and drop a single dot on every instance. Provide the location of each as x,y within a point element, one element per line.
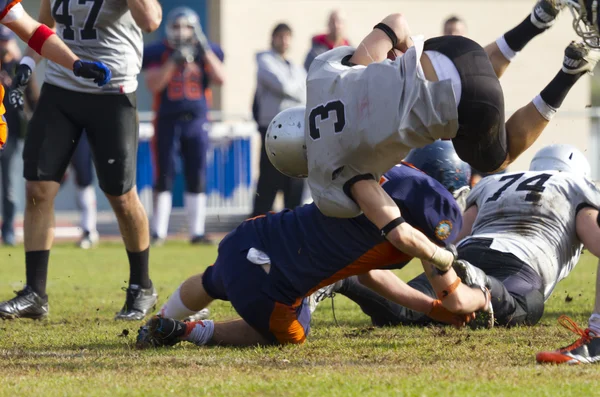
<point>98,30</point>
<point>532,216</point>
<point>362,120</point>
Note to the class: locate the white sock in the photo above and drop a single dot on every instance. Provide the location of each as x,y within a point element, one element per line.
<point>508,52</point>
<point>86,199</point>
<point>162,213</point>
<point>202,332</point>
<point>546,111</point>
<point>174,307</point>
<point>195,207</point>
<point>594,323</point>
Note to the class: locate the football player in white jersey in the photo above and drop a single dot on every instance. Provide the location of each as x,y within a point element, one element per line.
<point>109,31</point>
<point>364,113</point>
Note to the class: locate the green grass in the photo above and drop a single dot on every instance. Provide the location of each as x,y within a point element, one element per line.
<point>80,350</point>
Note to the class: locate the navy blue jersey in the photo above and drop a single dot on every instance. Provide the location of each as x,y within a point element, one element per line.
<point>309,250</point>
<point>187,92</point>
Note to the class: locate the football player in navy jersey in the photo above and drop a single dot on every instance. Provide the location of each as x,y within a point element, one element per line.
<point>179,71</point>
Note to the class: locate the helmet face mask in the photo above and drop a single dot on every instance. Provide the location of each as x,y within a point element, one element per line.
<point>585,20</point>
<point>183,27</point>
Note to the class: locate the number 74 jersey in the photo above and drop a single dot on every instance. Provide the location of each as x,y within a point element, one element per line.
<point>532,216</point>
<point>98,30</point>
<point>361,121</point>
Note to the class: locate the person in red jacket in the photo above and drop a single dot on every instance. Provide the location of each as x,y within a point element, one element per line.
<point>325,42</point>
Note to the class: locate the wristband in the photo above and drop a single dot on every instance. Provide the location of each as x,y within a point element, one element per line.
<point>39,37</point>
<point>449,289</point>
<point>389,32</point>
<point>391,226</point>
<point>29,61</point>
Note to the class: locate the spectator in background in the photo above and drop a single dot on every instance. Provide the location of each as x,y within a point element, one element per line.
<point>325,42</point>
<point>454,26</point>
<point>16,119</point>
<point>178,73</point>
<point>280,85</point>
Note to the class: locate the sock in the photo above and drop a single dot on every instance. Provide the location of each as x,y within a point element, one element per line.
<point>594,323</point>
<point>556,91</point>
<point>138,268</point>
<point>199,332</point>
<point>195,207</point>
<point>174,307</point>
<point>162,213</point>
<point>86,199</point>
<point>523,33</point>
<point>546,111</point>
<point>505,49</point>
<point>36,270</point>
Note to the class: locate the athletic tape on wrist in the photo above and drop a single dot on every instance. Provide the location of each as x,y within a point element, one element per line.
<point>29,61</point>
<point>504,48</point>
<point>449,289</point>
<point>546,111</point>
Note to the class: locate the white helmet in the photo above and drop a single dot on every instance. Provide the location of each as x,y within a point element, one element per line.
<point>561,157</point>
<point>285,144</point>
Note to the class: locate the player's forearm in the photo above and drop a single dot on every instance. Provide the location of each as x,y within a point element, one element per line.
<point>388,285</point>
<point>216,68</point>
<point>158,78</point>
<point>147,14</point>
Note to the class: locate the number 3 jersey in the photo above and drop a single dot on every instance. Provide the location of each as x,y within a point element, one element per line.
<point>360,121</point>
<point>532,216</point>
<point>98,30</point>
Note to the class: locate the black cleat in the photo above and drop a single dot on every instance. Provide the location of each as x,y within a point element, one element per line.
<point>138,302</point>
<point>27,304</point>
<point>159,332</point>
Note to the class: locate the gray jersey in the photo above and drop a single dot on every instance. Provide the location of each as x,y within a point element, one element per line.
<point>364,120</point>
<point>532,216</point>
<point>98,30</point>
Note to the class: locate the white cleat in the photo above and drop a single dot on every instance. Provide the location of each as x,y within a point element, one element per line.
<point>323,293</point>
<point>88,240</point>
<point>545,12</point>
<point>579,58</point>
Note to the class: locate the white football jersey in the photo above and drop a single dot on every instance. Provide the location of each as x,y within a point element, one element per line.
<point>98,30</point>
<point>362,120</point>
<point>532,216</point>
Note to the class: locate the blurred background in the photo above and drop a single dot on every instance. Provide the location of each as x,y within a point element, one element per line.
<point>244,28</point>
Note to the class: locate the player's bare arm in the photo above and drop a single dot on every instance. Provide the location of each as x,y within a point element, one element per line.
<point>146,13</point>
<point>376,46</point>
<point>468,220</point>
<point>588,229</point>
<point>45,18</point>
<point>216,70</point>
<point>157,78</point>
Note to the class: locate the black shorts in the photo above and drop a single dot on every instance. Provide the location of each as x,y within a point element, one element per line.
<point>61,116</point>
<point>481,137</point>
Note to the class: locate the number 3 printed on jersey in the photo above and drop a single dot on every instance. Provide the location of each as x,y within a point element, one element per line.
<point>323,112</point>
<point>62,16</point>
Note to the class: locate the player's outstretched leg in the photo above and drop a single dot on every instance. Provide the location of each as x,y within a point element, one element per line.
<point>585,350</point>
<point>505,49</point>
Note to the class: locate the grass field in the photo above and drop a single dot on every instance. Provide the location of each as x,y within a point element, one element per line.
<point>80,350</point>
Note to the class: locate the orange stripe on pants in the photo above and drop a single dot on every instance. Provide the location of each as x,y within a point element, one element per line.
<point>285,325</point>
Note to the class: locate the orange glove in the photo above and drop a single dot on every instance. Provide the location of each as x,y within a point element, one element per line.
<point>3,132</point>
<point>443,315</point>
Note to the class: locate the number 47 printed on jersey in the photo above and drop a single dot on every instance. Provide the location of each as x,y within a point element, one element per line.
<point>62,14</point>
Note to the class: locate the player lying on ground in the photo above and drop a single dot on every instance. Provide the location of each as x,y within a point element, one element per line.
<point>353,135</point>
<point>43,40</point>
<point>526,231</point>
<point>586,349</point>
<point>268,265</point>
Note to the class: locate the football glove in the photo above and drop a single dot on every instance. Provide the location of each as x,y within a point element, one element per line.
<point>92,70</point>
<point>20,81</point>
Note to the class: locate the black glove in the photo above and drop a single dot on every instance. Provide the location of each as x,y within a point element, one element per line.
<point>16,93</point>
<point>184,54</point>
<point>92,70</point>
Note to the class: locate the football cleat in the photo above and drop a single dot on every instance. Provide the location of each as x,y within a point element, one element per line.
<point>138,302</point>
<point>198,316</point>
<point>27,304</point>
<point>484,318</point>
<point>470,275</point>
<point>579,58</point>
<point>156,241</point>
<point>88,240</point>
<point>159,332</point>
<point>201,240</point>
<point>323,293</point>
<point>585,350</point>
<point>545,12</point>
